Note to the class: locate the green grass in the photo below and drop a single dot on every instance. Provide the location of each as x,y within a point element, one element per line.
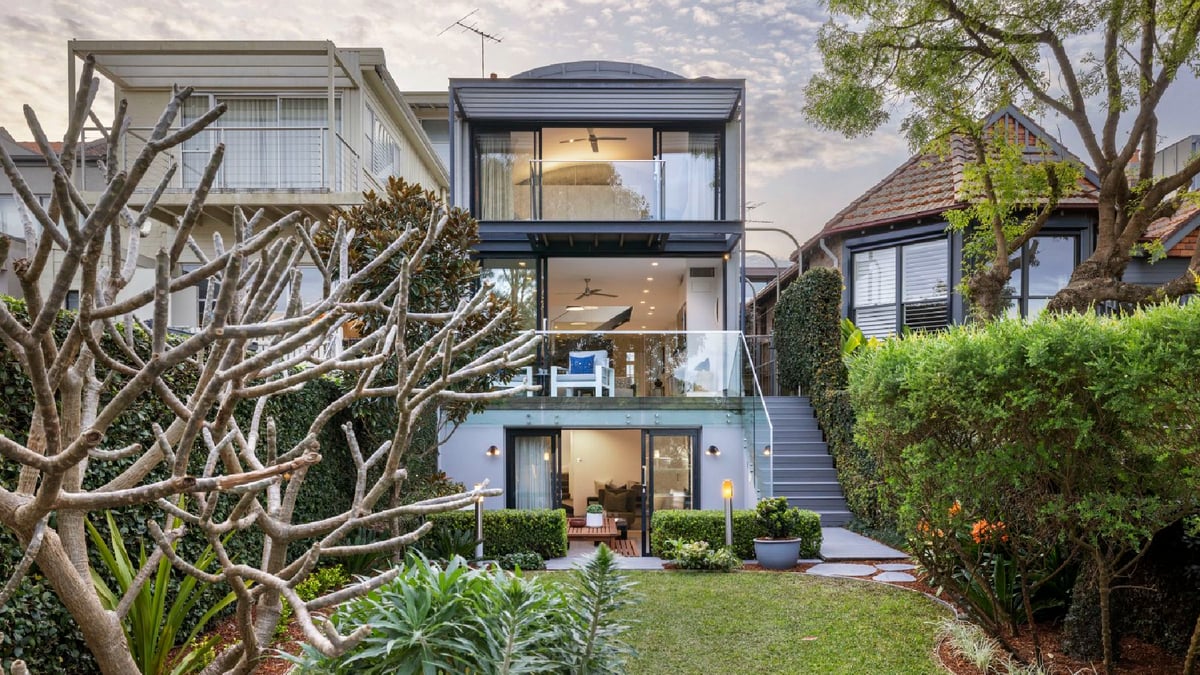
<point>753,622</point>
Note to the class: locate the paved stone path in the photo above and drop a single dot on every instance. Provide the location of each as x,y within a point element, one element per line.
<point>878,572</point>
<point>838,544</point>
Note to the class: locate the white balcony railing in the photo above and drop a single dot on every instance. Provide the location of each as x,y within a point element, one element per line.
<point>264,159</point>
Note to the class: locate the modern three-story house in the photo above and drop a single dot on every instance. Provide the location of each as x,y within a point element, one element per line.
<point>610,201</point>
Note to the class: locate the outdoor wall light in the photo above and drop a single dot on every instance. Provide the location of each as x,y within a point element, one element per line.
<point>492,451</point>
<point>766,451</point>
<point>714,450</point>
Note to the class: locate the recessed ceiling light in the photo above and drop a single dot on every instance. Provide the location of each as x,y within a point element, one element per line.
<point>578,323</point>
<point>574,308</point>
<point>653,307</point>
<point>649,278</point>
<point>641,302</point>
<point>649,313</point>
<point>645,290</point>
<point>520,263</point>
<point>643,326</point>
<point>653,264</point>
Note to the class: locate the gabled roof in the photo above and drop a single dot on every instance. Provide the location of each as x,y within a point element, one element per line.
<point>928,184</point>
<point>29,150</point>
<point>1180,232</point>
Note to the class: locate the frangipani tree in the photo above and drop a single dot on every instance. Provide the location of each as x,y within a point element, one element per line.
<point>243,355</point>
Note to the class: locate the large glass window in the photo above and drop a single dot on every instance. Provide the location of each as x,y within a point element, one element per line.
<point>504,161</point>
<point>917,297</point>
<point>516,282</point>
<point>597,173</point>
<point>270,142</point>
<point>1045,268</point>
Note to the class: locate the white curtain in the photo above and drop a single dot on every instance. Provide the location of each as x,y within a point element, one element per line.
<point>251,154</point>
<point>302,151</point>
<point>532,472</point>
<point>690,160</point>
<point>496,163</point>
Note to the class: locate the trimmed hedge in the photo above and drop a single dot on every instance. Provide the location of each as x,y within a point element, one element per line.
<point>506,531</point>
<point>808,329</point>
<point>709,526</point>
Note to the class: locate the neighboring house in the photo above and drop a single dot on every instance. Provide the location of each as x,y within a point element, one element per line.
<point>282,153</point>
<point>610,200</point>
<point>29,161</point>
<point>900,265</point>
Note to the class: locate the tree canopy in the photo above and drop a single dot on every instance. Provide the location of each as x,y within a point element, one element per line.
<point>1103,66</point>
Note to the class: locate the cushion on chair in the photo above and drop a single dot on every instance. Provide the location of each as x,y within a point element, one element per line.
<point>600,355</point>
<point>582,364</point>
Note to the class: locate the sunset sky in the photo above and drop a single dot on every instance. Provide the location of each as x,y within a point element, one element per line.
<point>798,176</point>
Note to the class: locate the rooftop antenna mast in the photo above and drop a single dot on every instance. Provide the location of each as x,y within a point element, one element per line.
<point>483,37</point>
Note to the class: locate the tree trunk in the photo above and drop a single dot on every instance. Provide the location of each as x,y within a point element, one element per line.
<point>1193,652</point>
<point>101,630</point>
<point>1106,629</point>
<point>985,290</point>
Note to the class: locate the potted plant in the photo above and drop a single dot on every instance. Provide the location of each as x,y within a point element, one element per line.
<point>595,515</point>
<point>779,547</point>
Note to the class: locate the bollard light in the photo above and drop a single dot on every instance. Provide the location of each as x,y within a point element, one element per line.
<point>727,495</point>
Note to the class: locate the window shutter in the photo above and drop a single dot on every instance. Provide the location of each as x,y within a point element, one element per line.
<point>926,288</point>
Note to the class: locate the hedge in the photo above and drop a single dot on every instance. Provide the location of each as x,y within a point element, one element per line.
<point>506,531</point>
<point>709,526</point>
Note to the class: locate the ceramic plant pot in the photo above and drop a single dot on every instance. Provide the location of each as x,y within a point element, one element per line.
<point>777,554</point>
<point>595,520</point>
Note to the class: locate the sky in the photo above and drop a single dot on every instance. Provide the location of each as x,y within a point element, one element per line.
<point>797,176</point>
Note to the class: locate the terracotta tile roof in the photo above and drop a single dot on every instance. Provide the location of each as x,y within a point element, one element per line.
<point>95,149</point>
<point>928,184</point>
<point>1185,220</point>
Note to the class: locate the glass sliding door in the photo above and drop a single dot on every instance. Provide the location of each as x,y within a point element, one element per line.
<point>533,469</point>
<point>670,457</point>
<point>503,169</point>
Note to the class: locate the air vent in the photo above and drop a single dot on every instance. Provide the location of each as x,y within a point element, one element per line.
<point>702,272</point>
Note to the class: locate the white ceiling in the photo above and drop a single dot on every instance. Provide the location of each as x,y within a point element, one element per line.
<point>627,278</point>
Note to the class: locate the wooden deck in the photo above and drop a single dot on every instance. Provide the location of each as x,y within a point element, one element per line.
<point>626,547</point>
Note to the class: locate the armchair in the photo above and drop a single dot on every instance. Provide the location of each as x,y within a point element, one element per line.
<point>524,376</point>
<point>588,370</point>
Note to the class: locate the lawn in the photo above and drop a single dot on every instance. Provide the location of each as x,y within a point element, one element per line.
<point>754,622</point>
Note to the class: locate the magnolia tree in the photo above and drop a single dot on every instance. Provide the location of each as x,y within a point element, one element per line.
<point>85,379</point>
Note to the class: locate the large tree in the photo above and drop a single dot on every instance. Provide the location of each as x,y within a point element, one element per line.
<point>92,376</point>
<point>948,60</point>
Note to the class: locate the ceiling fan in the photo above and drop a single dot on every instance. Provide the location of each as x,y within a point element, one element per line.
<point>593,139</point>
<point>589,291</point>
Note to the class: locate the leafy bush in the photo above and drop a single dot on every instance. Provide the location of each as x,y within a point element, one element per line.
<point>697,555</point>
<point>543,531</point>
<point>1076,432</point>
<point>524,561</point>
<point>446,543</point>
<point>456,619</point>
<point>709,526</point>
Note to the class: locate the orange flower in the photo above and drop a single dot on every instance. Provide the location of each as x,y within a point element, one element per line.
<point>955,509</point>
<point>985,532</point>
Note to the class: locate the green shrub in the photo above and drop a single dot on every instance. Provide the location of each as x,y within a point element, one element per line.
<point>1075,432</point>
<point>543,531</point>
<point>777,520</point>
<point>697,555</point>
<point>709,526</point>
<point>525,561</point>
<point>458,620</point>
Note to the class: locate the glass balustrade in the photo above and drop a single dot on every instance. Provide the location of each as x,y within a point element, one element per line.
<point>596,190</point>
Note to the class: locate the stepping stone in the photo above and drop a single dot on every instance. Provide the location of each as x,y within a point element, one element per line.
<point>896,567</point>
<point>894,576</point>
<point>842,570</point>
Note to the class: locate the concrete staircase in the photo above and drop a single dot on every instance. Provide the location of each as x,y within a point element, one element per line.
<point>803,467</point>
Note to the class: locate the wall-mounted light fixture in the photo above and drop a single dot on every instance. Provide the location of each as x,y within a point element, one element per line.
<point>766,451</point>
<point>713,450</point>
<point>492,451</point>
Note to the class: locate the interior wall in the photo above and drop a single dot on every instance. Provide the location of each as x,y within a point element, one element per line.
<point>606,455</point>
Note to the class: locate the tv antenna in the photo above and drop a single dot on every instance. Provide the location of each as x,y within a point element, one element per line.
<point>474,28</point>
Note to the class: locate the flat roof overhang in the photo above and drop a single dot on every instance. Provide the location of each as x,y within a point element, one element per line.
<point>210,64</point>
<point>567,238</point>
<point>598,100</point>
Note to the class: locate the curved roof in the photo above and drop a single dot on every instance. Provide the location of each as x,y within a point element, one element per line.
<point>596,70</point>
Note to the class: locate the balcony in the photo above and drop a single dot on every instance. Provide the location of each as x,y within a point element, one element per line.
<point>257,159</point>
<point>596,190</point>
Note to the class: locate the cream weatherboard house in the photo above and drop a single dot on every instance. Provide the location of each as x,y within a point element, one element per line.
<point>309,126</point>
